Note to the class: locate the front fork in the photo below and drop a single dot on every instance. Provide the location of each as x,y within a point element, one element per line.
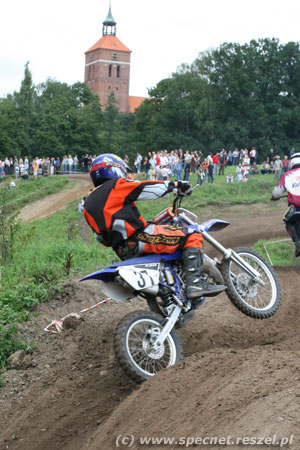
<point>159,338</point>
<point>228,253</point>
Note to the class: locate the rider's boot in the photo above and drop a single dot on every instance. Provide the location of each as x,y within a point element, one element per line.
<point>196,286</point>
<point>297,249</point>
<point>294,232</point>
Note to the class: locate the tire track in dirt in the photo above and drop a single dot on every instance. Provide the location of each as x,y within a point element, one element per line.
<point>56,202</point>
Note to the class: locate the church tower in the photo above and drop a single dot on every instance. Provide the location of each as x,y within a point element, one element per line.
<point>107,66</point>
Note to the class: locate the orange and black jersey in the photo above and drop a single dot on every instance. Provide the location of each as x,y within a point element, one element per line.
<point>110,209</point>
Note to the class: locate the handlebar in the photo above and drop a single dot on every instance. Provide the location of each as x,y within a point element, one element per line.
<point>178,198</point>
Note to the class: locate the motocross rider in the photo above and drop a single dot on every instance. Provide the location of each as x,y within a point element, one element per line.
<point>290,183</point>
<point>112,214</point>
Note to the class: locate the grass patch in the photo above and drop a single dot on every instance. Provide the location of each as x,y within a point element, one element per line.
<point>46,252</point>
<point>28,191</point>
<point>281,253</point>
<point>257,190</point>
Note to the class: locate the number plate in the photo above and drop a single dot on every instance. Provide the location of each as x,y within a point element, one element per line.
<point>140,276</point>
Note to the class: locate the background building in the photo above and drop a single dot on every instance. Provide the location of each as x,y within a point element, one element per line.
<point>107,68</point>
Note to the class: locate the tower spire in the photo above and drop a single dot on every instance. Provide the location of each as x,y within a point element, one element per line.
<point>109,24</point>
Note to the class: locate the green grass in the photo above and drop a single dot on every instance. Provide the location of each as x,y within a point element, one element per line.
<point>28,191</point>
<point>281,251</point>
<point>257,190</point>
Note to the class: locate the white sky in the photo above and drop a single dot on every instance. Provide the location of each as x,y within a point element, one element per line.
<point>54,34</point>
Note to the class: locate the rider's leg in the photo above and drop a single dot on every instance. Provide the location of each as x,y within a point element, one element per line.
<point>294,232</point>
<point>166,239</point>
<point>196,285</point>
<point>292,226</point>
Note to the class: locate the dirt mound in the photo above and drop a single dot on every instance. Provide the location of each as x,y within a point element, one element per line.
<point>239,376</point>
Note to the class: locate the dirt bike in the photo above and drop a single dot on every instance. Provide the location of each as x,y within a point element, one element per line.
<point>146,341</point>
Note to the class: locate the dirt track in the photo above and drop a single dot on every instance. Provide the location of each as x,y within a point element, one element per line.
<point>240,377</point>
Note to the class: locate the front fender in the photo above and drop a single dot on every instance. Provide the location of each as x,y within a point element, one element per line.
<point>213,225</point>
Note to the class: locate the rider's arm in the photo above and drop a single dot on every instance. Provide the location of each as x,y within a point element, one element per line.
<point>279,190</point>
<point>145,190</point>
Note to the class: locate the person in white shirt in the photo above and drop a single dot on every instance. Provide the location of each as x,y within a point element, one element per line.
<point>290,184</point>
<point>70,163</point>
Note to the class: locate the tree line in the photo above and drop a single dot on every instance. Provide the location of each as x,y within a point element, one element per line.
<point>235,96</point>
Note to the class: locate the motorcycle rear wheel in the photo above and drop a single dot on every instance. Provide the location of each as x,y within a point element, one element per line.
<point>132,345</point>
<point>254,300</point>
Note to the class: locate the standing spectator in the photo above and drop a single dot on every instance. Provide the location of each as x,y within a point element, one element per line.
<point>205,168</point>
<point>64,164</point>
<point>138,163</point>
<point>216,161</point>
<point>178,169</point>
<point>210,173</point>
<point>277,168</point>
<point>75,163</point>
<point>252,155</point>
<point>229,158</point>
<point>201,175</point>
<point>7,166</point>
<point>26,163</point>
<point>235,155</point>
<point>222,162</point>
<point>152,173</point>
<point>187,169</point>
<point>21,167</point>
<point>52,166</point>
<point>271,155</point>
<point>70,163</point>
<point>210,159</point>
<point>193,163</point>
<point>147,167</point>
<point>16,168</point>
<point>86,163</point>
<point>35,167</point>
<point>285,164</point>
<point>165,173</point>
<point>57,165</point>
<point>2,165</point>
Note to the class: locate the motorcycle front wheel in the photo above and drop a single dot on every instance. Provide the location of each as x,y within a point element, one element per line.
<point>254,300</point>
<point>133,347</point>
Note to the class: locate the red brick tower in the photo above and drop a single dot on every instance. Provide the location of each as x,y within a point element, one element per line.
<point>107,66</point>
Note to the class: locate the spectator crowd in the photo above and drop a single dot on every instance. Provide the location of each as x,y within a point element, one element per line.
<point>161,165</point>
<point>69,164</point>
<point>164,164</point>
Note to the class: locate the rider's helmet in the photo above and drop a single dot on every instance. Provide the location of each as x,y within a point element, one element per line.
<point>295,161</point>
<point>108,166</point>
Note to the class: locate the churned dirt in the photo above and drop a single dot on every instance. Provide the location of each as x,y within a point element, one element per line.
<point>240,376</point>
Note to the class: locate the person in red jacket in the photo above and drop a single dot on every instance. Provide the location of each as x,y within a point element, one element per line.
<point>111,212</point>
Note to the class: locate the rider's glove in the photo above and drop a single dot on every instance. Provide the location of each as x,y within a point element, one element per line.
<point>184,188</point>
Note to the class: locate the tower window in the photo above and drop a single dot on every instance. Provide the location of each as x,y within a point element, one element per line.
<point>91,57</point>
<point>109,70</point>
<point>118,71</point>
<point>115,56</point>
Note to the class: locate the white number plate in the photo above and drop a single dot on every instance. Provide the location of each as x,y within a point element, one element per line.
<point>140,276</point>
